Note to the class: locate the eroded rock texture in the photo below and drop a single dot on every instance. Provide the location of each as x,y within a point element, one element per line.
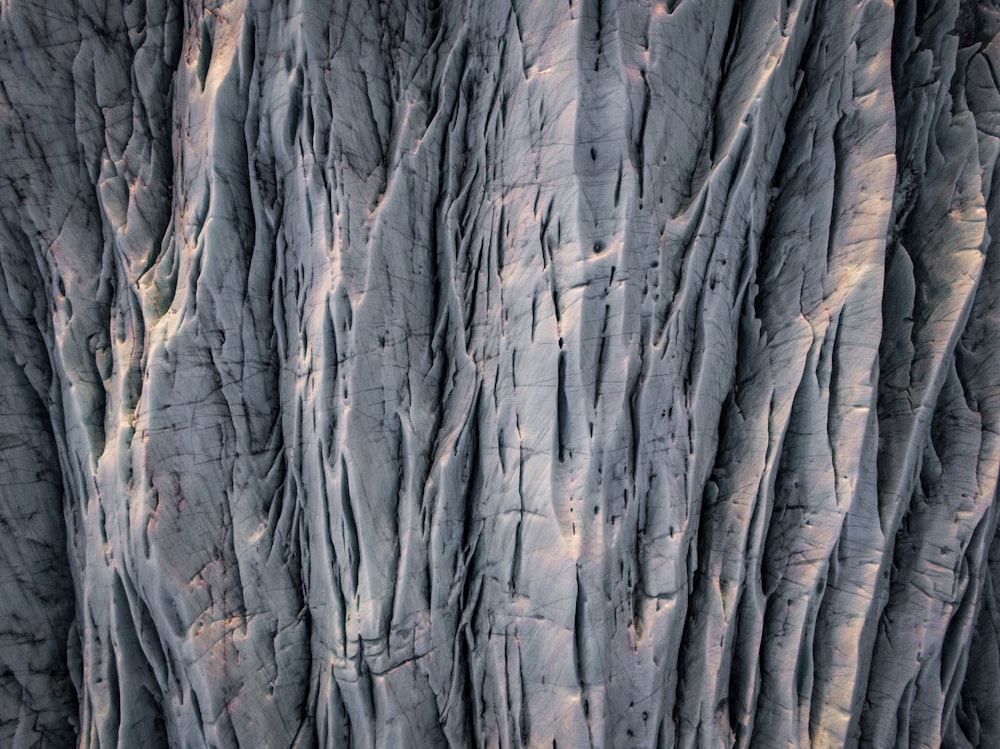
<point>477,373</point>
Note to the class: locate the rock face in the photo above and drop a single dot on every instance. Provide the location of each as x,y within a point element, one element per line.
<point>476,373</point>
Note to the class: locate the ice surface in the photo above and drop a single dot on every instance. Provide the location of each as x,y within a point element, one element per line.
<point>562,374</point>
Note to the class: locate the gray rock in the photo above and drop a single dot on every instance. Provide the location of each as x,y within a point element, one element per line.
<point>473,374</point>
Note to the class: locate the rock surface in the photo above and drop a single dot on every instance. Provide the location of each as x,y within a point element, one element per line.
<point>475,373</point>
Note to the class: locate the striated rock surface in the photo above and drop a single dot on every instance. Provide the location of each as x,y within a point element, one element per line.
<point>475,373</point>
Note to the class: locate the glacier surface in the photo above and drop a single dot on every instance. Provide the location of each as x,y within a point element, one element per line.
<point>460,373</point>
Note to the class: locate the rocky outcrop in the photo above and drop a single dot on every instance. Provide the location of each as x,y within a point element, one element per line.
<point>499,374</point>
